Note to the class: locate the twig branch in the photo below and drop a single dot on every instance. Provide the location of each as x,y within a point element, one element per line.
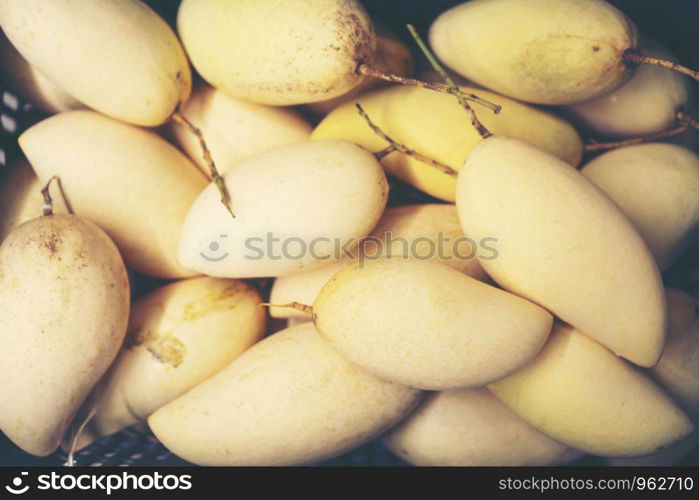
<point>70,461</point>
<point>603,146</point>
<point>480,128</point>
<point>635,57</point>
<point>375,73</point>
<point>179,118</point>
<point>397,146</point>
<point>683,117</point>
<point>380,155</point>
<point>304,308</point>
<point>47,207</point>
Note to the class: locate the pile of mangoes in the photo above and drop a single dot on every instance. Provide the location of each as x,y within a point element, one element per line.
<point>518,318</point>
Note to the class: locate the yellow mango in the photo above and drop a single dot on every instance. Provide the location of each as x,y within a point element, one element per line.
<point>436,126</point>
<point>581,394</point>
<point>178,336</point>
<point>656,185</point>
<point>64,307</point>
<point>471,427</point>
<point>290,399</point>
<point>116,56</point>
<point>426,325</point>
<point>129,181</point>
<point>295,206</point>
<point>564,245</point>
<point>275,51</point>
<point>540,51</point>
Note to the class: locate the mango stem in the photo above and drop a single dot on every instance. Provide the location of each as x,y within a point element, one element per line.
<point>480,128</point>
<point>179,118</point>
<point>401,148</point>
<point>683,117</point>
<point>304,308</point>
<point>380,155</point>
<point>604,146</point>
<point>47,207</point>
<point>636,58</point>
<point>367,70</point>
<point>70,461</point>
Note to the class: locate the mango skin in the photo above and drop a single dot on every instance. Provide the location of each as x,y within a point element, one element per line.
<point>678,368</point>
<point>291,399</point>
<point>436,126</point>
<point>304,195</point>
<point>64,307</point>
<point>564,245</point>
<point>178,336</point>
<point>419,225</point>
<point>538,51</point>
<point>263,60</point>
<point>579,393</point>
<point>656,185</point>
<point>116,56</point>
<point>471,427</point>
<point>392,56</point>
<point>130,181</point>
<point>20,197</point>
<point>644,105</point>
<point>426,325</point>
<point>234,129</point>
<point>672,455</point>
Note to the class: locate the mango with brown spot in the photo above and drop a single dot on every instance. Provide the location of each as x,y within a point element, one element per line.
<point>64,307</point>
<point>179,335</point>
<point>275,51</point>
